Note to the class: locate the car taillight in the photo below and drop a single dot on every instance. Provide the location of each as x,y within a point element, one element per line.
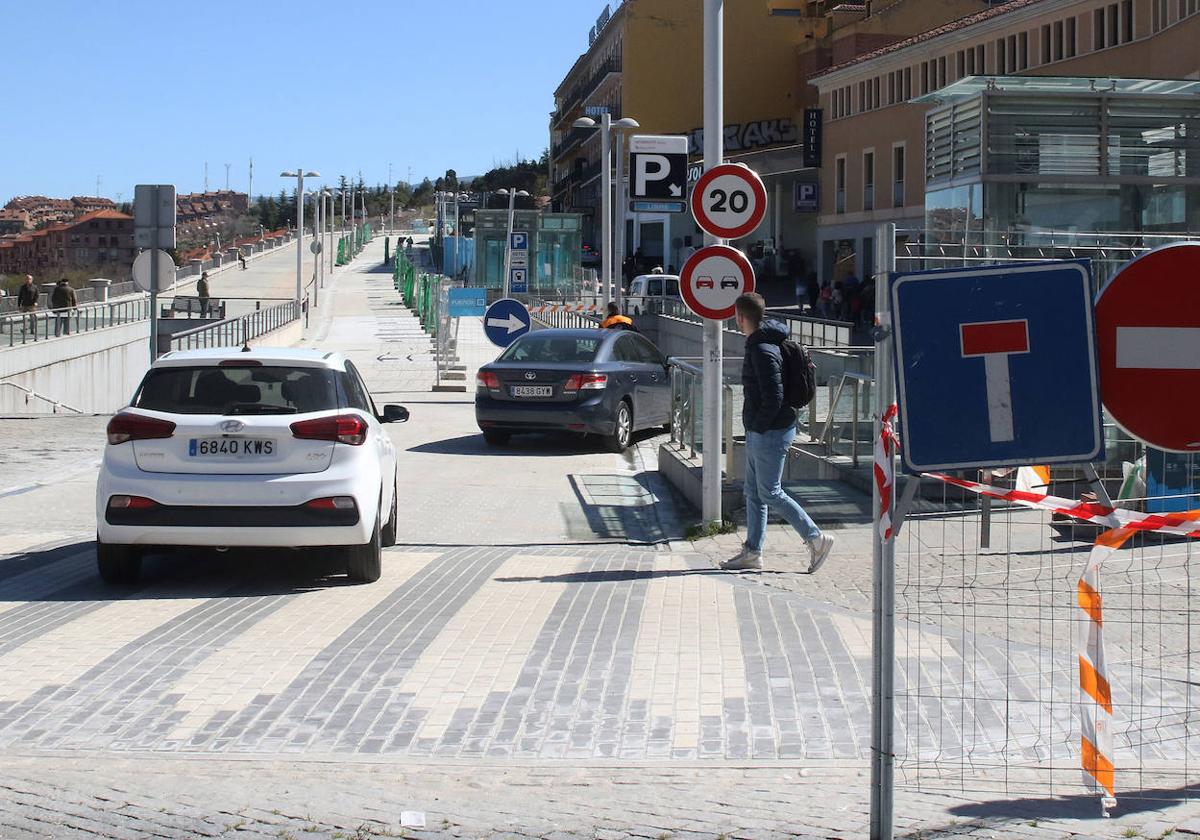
<point>585,382</point>
<point>332,503</point>
<point>341,428</point>
<point>126,427</point>
<point>131,503</point>
<point>487,381</point>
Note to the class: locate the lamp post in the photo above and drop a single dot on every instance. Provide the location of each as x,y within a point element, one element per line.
<point>299,174</point>
<point>606,125</point>
<point>512,211</point>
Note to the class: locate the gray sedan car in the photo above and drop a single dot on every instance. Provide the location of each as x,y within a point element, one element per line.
<point>609,383</point>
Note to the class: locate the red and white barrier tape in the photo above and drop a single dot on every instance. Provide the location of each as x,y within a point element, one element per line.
<point>547,309</point>
<point>885,472</point>
<point>1097,756</point>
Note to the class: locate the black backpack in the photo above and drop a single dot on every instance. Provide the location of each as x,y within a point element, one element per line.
<point>799,375</point>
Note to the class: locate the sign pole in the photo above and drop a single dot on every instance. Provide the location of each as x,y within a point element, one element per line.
<point>606,232</point>
<point>714,118</point>
<point>883,553</point>
<point>154,286</point>
<point>619,233</point>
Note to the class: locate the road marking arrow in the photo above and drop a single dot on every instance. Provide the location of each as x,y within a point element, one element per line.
<point>512,322</point>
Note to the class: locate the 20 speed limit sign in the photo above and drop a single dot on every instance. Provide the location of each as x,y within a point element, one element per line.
<point>729,201</point>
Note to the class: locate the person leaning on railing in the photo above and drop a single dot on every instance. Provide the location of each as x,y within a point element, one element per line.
<point>27,301</point>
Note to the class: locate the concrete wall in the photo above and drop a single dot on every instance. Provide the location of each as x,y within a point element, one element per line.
<point>95,372</point>
<point>676,337</point>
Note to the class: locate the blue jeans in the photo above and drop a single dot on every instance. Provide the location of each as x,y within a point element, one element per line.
<point>765,456</point>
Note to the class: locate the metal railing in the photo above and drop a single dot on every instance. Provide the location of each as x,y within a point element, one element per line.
<point>859,386</point>
<point>1109,252</point>
<point>687,408</point>
<point>41,325</point>
<point>31,395</point>
<point>234,331</point>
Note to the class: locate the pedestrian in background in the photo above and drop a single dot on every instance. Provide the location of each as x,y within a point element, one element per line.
<point>617,321</point>
<point>27,301</point>
<point>242,259</point>
<point>62,301</point>
<point>202,293</point>
<point>770,429</point>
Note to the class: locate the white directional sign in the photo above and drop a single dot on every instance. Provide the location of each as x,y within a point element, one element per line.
<point>729,201</point>
<point>657,167</point>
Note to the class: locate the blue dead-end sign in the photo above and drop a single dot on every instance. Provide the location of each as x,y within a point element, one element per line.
<point>996,366</point>
<point>505,321</point>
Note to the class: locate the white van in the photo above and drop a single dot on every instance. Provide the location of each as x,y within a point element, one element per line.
<point>652,293</point>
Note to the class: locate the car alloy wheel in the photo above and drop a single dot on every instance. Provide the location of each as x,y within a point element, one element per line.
<point>618,441</point>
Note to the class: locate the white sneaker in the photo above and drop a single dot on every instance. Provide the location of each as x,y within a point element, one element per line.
<point>744,561</point>
<point>820,548</point>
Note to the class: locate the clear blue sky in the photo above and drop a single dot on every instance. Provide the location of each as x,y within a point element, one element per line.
<point>146,91</point>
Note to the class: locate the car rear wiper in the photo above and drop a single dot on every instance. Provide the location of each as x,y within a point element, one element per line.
<point>258,408</point>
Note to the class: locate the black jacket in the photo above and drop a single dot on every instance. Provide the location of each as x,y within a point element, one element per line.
<point>27,295</point>
<point>63,297</point>
<point>763,408</point>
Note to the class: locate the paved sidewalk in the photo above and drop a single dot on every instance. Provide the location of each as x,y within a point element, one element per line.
<point>544,656</point>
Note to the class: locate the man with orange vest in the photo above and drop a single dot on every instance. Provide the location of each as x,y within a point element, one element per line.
<point>617,321</point>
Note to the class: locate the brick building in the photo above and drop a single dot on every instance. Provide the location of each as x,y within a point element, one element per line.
<point>100,240</point>
<point>39,211</point>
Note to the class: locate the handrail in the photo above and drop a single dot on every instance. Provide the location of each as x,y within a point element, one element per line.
<point>26,327</point>
<point>234,331</point>
<point>55,405</point>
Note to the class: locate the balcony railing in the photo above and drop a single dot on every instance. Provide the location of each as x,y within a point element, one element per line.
<point>44,324</point>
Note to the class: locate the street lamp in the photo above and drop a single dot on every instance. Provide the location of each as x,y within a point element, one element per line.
<point>512,210</point>
<point>606,125</point>
<point>299,174</point>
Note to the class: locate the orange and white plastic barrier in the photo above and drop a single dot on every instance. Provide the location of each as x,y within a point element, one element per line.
<point>1097,756</point>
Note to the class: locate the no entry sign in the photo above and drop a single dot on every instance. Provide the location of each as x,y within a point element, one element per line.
<point>1148,337</point>
<point>712,279</point>
<point>729,201</point>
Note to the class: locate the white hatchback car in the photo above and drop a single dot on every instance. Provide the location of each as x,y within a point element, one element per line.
<point>261,447</point>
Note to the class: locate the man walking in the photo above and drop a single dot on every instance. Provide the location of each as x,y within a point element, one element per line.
<point>62,301</point>
<point>770,428</point>
<point>202,294</point>
<point>27,301</point>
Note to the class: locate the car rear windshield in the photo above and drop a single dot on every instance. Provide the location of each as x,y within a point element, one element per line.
<point>551,348</point>
<point>238,390</point>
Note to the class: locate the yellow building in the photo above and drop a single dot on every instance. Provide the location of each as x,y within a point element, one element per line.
<point>645,61</point>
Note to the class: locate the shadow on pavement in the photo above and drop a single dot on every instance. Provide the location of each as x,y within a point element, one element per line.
<point>181,573</point>
<point>1082,807</point>
<point>637,508</point>
<point>537,445</point>
<point>611,576</point>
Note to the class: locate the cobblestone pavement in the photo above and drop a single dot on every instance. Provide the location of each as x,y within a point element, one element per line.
<point>546,661</point>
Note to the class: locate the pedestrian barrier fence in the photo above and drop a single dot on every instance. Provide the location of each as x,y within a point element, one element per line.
<point>233,332</point>
<point>1045,643</point>
<point>40,325</point>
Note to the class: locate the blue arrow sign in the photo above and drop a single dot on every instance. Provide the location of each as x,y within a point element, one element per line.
<point>505,321</point>
<point>996,366</point>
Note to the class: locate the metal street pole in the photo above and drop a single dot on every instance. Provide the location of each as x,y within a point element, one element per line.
<point>714,119</point>
<point>619,236</point>
<point>457,237</point>
<point>299,234</point>
<point>391,201</point>
<point>606,253</point>
<point>883,553</point>
<point>512,210</point>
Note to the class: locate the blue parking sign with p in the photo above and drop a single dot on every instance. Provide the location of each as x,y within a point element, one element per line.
<point>519,241</point>
<point>996,366</point>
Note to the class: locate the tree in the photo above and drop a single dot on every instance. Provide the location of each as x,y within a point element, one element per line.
<point>451,180</point>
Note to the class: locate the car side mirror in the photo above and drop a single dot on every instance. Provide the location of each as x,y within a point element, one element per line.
<point>394,414</point>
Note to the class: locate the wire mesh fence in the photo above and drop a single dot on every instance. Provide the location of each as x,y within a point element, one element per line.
<point>995,692</point>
